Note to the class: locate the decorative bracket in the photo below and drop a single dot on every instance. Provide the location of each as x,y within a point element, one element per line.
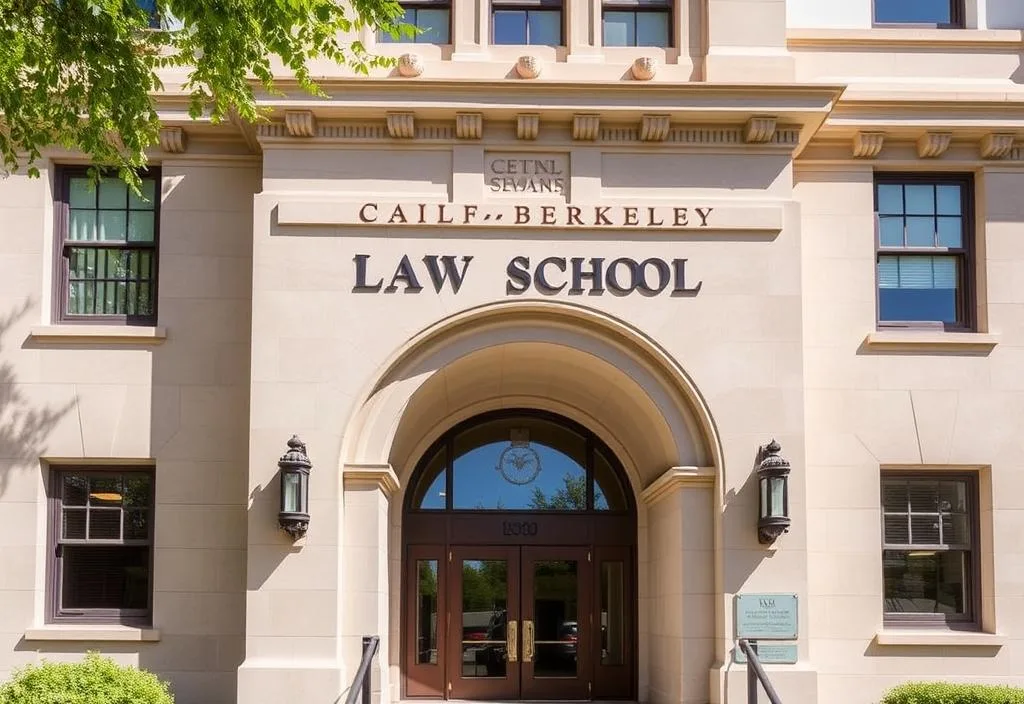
<point>586,126</point>
<point>173,139</point>
<point>868,145</point>
<point>996,146</point>
<point>469,125</point>
<point>654,128</point>
<point>401,125</point>
<point>933,144</point>
<point>527,125</point>
<point>759,130</point>
<point>300,123</point>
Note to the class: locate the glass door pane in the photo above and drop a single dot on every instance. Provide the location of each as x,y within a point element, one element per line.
<point>485,610</point>
<point>556,617</point>
<point>556,623</point>
<point>484,618</point>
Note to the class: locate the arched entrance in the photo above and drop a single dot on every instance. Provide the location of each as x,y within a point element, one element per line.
<point>519,539</point>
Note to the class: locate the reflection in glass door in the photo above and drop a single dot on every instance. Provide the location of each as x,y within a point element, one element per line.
<point>556,623</point>
<point>484,626</point>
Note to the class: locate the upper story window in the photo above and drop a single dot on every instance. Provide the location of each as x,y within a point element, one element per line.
<point>929,558</point>
<point>526,22</point>
<point>431,17</point>
<point>637,23</point>
<point>925,250</point>
<point>107,249</point>
<point>923,13</point>
<point>149,7</point>
<point>101,528</point>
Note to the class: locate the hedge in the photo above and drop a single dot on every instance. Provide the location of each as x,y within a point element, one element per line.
<point>953,693</point>
<point>96,680</point>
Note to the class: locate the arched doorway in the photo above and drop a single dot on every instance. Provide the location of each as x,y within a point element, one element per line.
<point>519,539</point>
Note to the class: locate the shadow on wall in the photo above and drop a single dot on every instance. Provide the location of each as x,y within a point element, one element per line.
<point>739,525</point>
<point>24,425</point>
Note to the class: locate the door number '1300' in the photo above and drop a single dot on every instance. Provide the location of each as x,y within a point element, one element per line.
<point>528,528</point>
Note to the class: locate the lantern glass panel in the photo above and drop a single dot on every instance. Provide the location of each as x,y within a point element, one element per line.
<point>778,492</point>
<point>764,496</point>
<point>291,492</point>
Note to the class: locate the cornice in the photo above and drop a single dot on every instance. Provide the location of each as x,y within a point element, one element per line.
<point>650,129</point>
<point>676,478</point>
<point>379,476</point>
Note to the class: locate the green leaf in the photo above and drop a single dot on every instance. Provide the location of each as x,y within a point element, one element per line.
<point>82,73</point>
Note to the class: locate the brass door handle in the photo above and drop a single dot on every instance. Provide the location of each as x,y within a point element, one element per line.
<point>527,641</point>
<point>512,641</point>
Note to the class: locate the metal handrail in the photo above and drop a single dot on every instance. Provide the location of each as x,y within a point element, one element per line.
<point>755,672</point>
<point>361,682</point>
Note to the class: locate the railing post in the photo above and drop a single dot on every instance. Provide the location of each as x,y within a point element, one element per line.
<point>751,674</point>
<point>367,640</point>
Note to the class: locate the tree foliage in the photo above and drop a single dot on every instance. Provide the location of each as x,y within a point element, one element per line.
<point>83,74</point>
<point>571,496</point>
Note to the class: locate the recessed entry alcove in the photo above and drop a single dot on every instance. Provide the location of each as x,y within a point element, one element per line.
<point>525,558</point>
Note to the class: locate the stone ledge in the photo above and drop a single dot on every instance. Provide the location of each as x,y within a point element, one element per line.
<point>92,633</point>
<point>917,37</point>
<point>112,334</point>
<point>939,637</point>
<point>928,341</point>
<point>675,478</point>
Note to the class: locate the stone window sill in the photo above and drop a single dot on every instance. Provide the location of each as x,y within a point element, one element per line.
<point>915,37</point>
<point>93,633</point>
<point>925,341</point>
<point>939,637</point>
<point>101,334</point>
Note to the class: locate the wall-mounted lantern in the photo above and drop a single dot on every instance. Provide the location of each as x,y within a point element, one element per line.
<point>773,482</point>
<point>294,468</point>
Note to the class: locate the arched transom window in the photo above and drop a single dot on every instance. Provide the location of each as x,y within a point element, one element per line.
<point>519,461</point>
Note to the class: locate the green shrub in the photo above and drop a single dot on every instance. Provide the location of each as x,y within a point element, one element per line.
<point>948,693</point>
<point>96,680</point>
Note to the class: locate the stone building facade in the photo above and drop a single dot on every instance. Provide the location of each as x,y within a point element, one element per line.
<point>536,312</point>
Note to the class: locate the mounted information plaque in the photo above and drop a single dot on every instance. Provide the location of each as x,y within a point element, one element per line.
<point>768,653</point>
<point>766,616</point>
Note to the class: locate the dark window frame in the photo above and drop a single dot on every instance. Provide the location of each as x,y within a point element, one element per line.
<point>662,6</point>
<point>970,620</point>
<point>383,38</point>
<point>60,288</point>
<point>594,446</point>
<point>528,6</point>
<point>967,299</point>
<point>957,13</point>
<point>55,613</point>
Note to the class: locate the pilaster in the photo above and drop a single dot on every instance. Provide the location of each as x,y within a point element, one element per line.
<point>364,598</point>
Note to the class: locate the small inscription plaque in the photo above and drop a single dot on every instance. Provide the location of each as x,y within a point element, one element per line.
<point>766,616</point>
<point>521,173</point>
<point>769,653</point>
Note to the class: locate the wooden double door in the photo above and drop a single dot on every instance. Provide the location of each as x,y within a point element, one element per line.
<point>527,622</point>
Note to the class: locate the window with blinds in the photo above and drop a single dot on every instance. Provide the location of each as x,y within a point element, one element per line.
<point>928,555</point>
<point>102,534</point>
<point>107,249</point>
<point>924,240</point>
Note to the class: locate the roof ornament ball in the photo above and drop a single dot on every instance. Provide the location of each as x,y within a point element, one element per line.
<point>528,67</point>
<point>644,68</point>
<point>410,65</point>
